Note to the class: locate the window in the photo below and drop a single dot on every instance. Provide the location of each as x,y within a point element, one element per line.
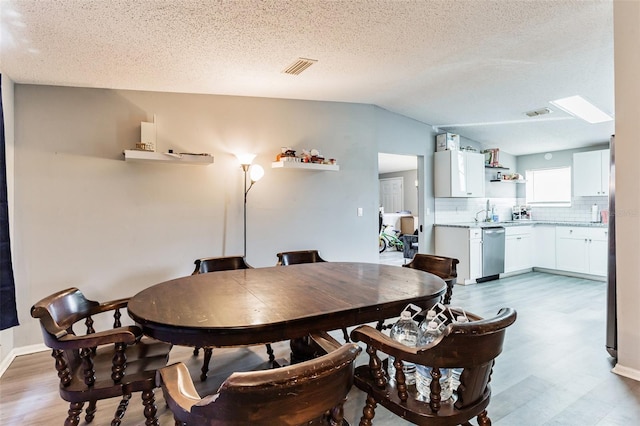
<point>549,187</point>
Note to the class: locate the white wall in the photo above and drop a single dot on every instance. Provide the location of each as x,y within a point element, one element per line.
<point>86,218</point>
<point>6,336</point>
<point>627,152</point>
<point>397,134</point>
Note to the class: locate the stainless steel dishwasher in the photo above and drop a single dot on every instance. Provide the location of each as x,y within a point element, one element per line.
<point>492,253</point>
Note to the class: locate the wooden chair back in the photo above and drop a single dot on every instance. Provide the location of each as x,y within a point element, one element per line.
<point>472,346</point>
<point>214,264</point>
<point>444,267</point>
<point>297,257</point>
<point>97,365</point>
<point>292,395</point>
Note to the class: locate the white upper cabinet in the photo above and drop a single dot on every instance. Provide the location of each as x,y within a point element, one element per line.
<point>458,174</point>
<point>591,173</point>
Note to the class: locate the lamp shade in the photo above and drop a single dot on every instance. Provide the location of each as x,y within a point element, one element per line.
<point>256,172</point>
<point>245,159</point>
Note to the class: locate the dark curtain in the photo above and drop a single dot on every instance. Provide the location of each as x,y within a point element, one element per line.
<point>8,313</point>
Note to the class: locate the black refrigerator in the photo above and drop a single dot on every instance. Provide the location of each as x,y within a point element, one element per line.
<point>612,326</point>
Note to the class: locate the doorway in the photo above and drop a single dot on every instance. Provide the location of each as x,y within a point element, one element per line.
<point>399,195</point>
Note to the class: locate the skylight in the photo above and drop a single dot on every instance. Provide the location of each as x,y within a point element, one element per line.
<point>581,108</point>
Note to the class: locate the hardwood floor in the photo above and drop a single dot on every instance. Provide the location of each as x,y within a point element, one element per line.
<point>554,369</point>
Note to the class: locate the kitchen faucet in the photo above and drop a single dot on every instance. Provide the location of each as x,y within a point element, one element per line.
<point>487,218</point>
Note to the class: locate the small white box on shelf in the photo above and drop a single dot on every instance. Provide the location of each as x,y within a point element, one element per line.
<point>148,135</point>
<point>447,142</point>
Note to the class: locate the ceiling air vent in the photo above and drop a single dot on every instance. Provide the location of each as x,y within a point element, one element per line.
<point>538,112</point>
<point>299,65</point>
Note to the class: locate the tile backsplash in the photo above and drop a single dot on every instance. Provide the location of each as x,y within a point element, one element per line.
<point>460,210</point>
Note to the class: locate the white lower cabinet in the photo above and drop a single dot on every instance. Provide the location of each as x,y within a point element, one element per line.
<point>544,246</point>
<point>582,249</point>
<point>464,244</point>
<point>475,254</point>
<point>518,248</point>
<point>577,249</point>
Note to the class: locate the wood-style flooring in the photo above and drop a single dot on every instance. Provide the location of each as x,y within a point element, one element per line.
<point>554,369</point>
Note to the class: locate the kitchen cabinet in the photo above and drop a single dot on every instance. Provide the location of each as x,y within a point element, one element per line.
<point>591,173</point>
<point>518,248</point>
<point>475,254</point>
<point>582,250</point>
<point>464,244</point>
<point>544,243</point>
<point>458,174</point>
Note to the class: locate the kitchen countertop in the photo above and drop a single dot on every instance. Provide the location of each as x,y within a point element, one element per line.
<point>510,223</point>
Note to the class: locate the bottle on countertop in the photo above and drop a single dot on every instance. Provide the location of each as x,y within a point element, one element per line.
<point>404,331</point>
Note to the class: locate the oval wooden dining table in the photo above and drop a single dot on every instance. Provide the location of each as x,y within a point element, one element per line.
<point>265,305</point>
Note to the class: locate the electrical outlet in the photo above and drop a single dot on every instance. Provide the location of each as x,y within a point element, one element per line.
<point>359,211</point>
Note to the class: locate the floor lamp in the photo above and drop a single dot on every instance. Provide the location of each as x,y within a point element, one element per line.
<point>255,173</point>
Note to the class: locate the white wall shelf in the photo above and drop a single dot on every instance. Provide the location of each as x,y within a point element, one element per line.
<point>134,155</point>
<point>304,166</point>
<point>509,180</point>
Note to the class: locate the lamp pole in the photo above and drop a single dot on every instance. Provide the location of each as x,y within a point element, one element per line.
<point>245,169</point>
<point>256,174</point>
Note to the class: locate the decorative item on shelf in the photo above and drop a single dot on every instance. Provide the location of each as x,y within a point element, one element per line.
<point>514,176</point>
<point>147,136</point>
<point>491,157</point>
<point>307,156</point>
<point>287,154</point>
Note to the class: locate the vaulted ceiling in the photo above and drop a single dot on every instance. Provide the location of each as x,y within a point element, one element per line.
<point>472,67</point>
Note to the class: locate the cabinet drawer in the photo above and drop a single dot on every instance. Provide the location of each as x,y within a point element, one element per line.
<point>599,234</point>
<point>572,232</point>
<point>518,230</point>
<point>582,232</point>
<point>475,233</point>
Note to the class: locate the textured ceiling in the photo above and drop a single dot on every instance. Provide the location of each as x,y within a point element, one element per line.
<point>471,67</point>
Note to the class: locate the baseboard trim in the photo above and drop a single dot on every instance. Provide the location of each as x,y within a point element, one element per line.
<point>628,372</point>
<point>570,274</point>
<point>24,350</point>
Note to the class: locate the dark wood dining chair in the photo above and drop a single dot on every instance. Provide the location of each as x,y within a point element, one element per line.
<point>311,391</point>
<point>304,256</point>
<point>471,346</point>
<point>298,257</point>
<point>444,267</point>
<point>215,264</point>
<point>99,364</point>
